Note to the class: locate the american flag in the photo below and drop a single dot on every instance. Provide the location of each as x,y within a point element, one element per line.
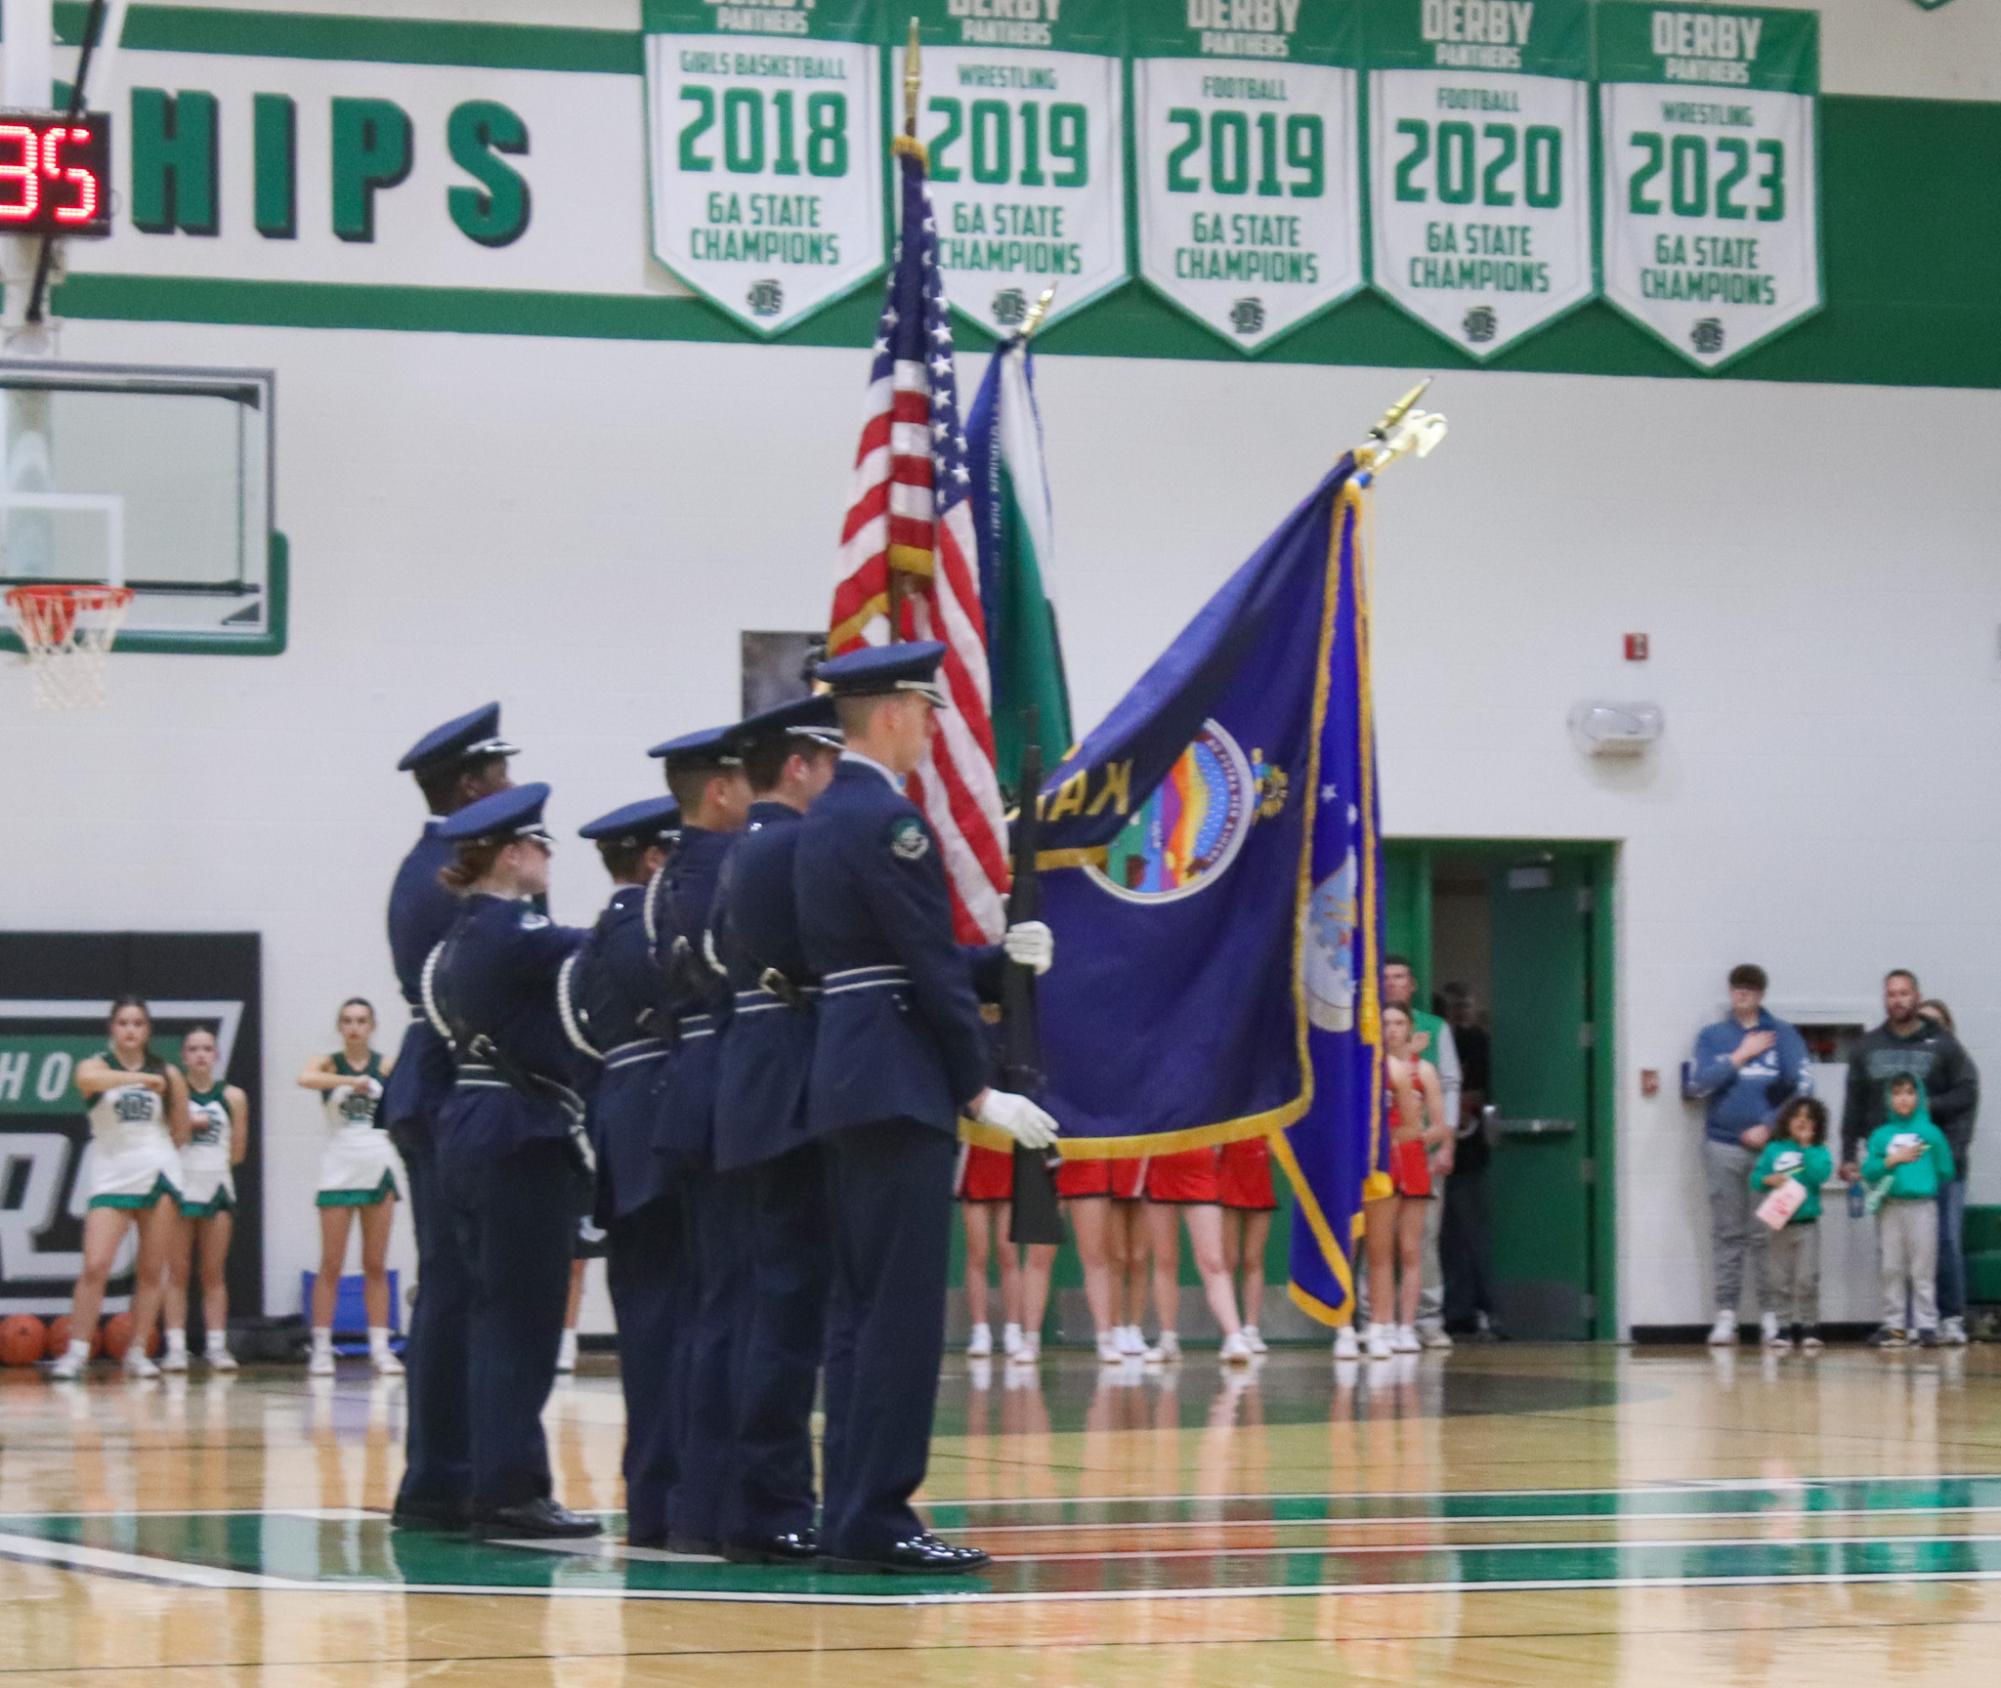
<point>910,514</point>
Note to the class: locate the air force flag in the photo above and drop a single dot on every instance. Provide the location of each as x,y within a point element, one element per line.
<point>1211,867</point>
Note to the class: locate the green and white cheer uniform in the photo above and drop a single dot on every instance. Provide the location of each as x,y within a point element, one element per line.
<point>357,1169</point>
<point>207,1188</point>
<point>133,1161</point>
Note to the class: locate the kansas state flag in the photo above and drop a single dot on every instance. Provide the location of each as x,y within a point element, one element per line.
<point>1211,868</point>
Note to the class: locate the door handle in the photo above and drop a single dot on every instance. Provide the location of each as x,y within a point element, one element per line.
<point>1534,1127</point>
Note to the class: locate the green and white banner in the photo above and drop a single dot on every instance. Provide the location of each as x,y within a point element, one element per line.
<point>1249,195</point>
<point>1711,173</point>
<point>1023,118</point>
<point>765,152</point>
<point>1480,163</point>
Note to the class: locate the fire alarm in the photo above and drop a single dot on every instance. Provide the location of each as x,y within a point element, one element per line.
<point>1636,647</point>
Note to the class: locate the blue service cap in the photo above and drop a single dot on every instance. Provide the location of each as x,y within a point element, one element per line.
<point>878,669</point>
<point>501,818</point>
<point>652,820</point>
<point>712,747</point>
<point>473,735</point>
<point>807,717</point>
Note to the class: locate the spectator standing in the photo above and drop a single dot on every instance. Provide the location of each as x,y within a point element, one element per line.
<point>1907,1161</point>
<point>1466,1238</point>
<point>1952,1200</point>
<point>1745,1066</point>
<point>1431,1038</point>
<point>1928,1050</point>
<point>1798,1154</point>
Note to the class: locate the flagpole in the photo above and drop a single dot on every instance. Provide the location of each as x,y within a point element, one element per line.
<point>907,145</point>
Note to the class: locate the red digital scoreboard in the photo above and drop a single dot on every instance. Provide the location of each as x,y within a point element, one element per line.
<point>55,173</point>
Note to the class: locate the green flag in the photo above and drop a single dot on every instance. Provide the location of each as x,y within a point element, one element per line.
<point>1012,516</point>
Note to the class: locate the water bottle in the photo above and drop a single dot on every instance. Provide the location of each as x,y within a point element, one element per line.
<point>1858,1203</point>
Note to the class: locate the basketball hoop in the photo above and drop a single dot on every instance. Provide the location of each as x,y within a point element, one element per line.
<point>67,629</point>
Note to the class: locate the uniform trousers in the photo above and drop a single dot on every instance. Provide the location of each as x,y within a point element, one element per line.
<point>791,1260</point>
<point>516,1228</point>
<point>889,1197</point>
<point>437,1459</point>
<point>707,1503</point>
<point>645,1250</point>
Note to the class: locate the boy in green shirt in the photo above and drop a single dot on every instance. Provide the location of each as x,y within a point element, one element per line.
<point>1908,1160</point>
<point>1796,1152</point>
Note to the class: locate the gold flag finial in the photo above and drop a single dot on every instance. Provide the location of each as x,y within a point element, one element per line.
<point>1398,411</point>
<point>913,79</point>
<point>1037,311</point>
<point>1404,429</point>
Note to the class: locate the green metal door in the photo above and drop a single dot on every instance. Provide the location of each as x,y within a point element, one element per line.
<point>1543,908</point>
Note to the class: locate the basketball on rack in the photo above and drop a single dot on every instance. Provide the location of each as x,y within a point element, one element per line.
<point>21,1339</point>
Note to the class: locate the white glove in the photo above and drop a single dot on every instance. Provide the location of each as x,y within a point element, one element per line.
<point>1020,1118</point>
<point>1031,944</point>
<point>372,1089</point>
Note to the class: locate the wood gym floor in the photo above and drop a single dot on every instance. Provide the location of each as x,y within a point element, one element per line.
<point>1507,1514</point>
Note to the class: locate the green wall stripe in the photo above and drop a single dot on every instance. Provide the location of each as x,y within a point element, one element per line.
<point>491,46</point>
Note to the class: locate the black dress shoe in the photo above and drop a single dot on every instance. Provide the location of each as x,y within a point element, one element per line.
<point>679,1541</point>
<point>645,1538</point>
<point>922,1555</point>
<point>786,1547</point>
<point>432,1516</point>
<point>540,1517</point>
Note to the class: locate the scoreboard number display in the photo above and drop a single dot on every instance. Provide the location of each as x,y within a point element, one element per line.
<point>1711,204</point>
<point>55,173</point>
<point>1249,202</point>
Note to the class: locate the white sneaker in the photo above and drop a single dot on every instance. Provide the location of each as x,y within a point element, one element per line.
<point>138,1366</point>
<point>220,1359</point>
<point>1257,1342</point>
<point>1435,1337</point>
<point>321,1364</point>
<point>1347,1345</point>
<point>1109,1353</point>
<point>980,1344</point>
<point>1403,1340</point>
<point>174,1360</point>
<point>1166,1351</point>
<point>1769,1332</point>
<point>1379,1344</point>
<point>1952,1332</point>
<point>387,1365</point>
<point>1028,1352</point>
<point>1723,1334</point>
<point>1236,1351</point>
<point>1131,1343</point>
<point>1011,1340</point>
<point>66,1367</point>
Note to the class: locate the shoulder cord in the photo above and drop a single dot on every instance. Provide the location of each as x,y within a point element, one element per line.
<point>574,1021</point>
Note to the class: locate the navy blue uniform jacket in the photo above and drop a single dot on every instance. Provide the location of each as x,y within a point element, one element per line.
<point>695,997</point>
<point>421,912</point>
<point>615,989</point>
<point>871,894</point>
<point>767,1050</point>
<point>498,977</point>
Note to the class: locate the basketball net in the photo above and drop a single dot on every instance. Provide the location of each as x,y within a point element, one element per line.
<point>67,632</point>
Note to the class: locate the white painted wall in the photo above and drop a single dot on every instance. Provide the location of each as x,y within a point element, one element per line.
<point>581,529</point>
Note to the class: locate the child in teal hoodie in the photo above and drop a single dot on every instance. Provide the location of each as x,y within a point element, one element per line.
<point>1908,1160</point>
<point>1796,1152</point>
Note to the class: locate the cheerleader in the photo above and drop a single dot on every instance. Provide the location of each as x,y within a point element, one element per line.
<point>218,1138</point>
<point>1415,1101</point>
<point>138,1108</point>
<point>986,1185</point>
<point>357,1174</point>
<point>1249,1200</point>
<point>1102,1200</point>
<point>1191,1182</point>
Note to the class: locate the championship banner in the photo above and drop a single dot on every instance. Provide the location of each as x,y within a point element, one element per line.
<point>53,1016</point>
<point>1711,177</point>
<point>765,148</point>
<point>1249,201</point>
<point>1209,865</point>
<point>1480,163</point>
<point>1023,119</point>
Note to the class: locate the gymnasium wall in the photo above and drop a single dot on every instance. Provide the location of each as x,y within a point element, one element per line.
<point>581,527</point>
